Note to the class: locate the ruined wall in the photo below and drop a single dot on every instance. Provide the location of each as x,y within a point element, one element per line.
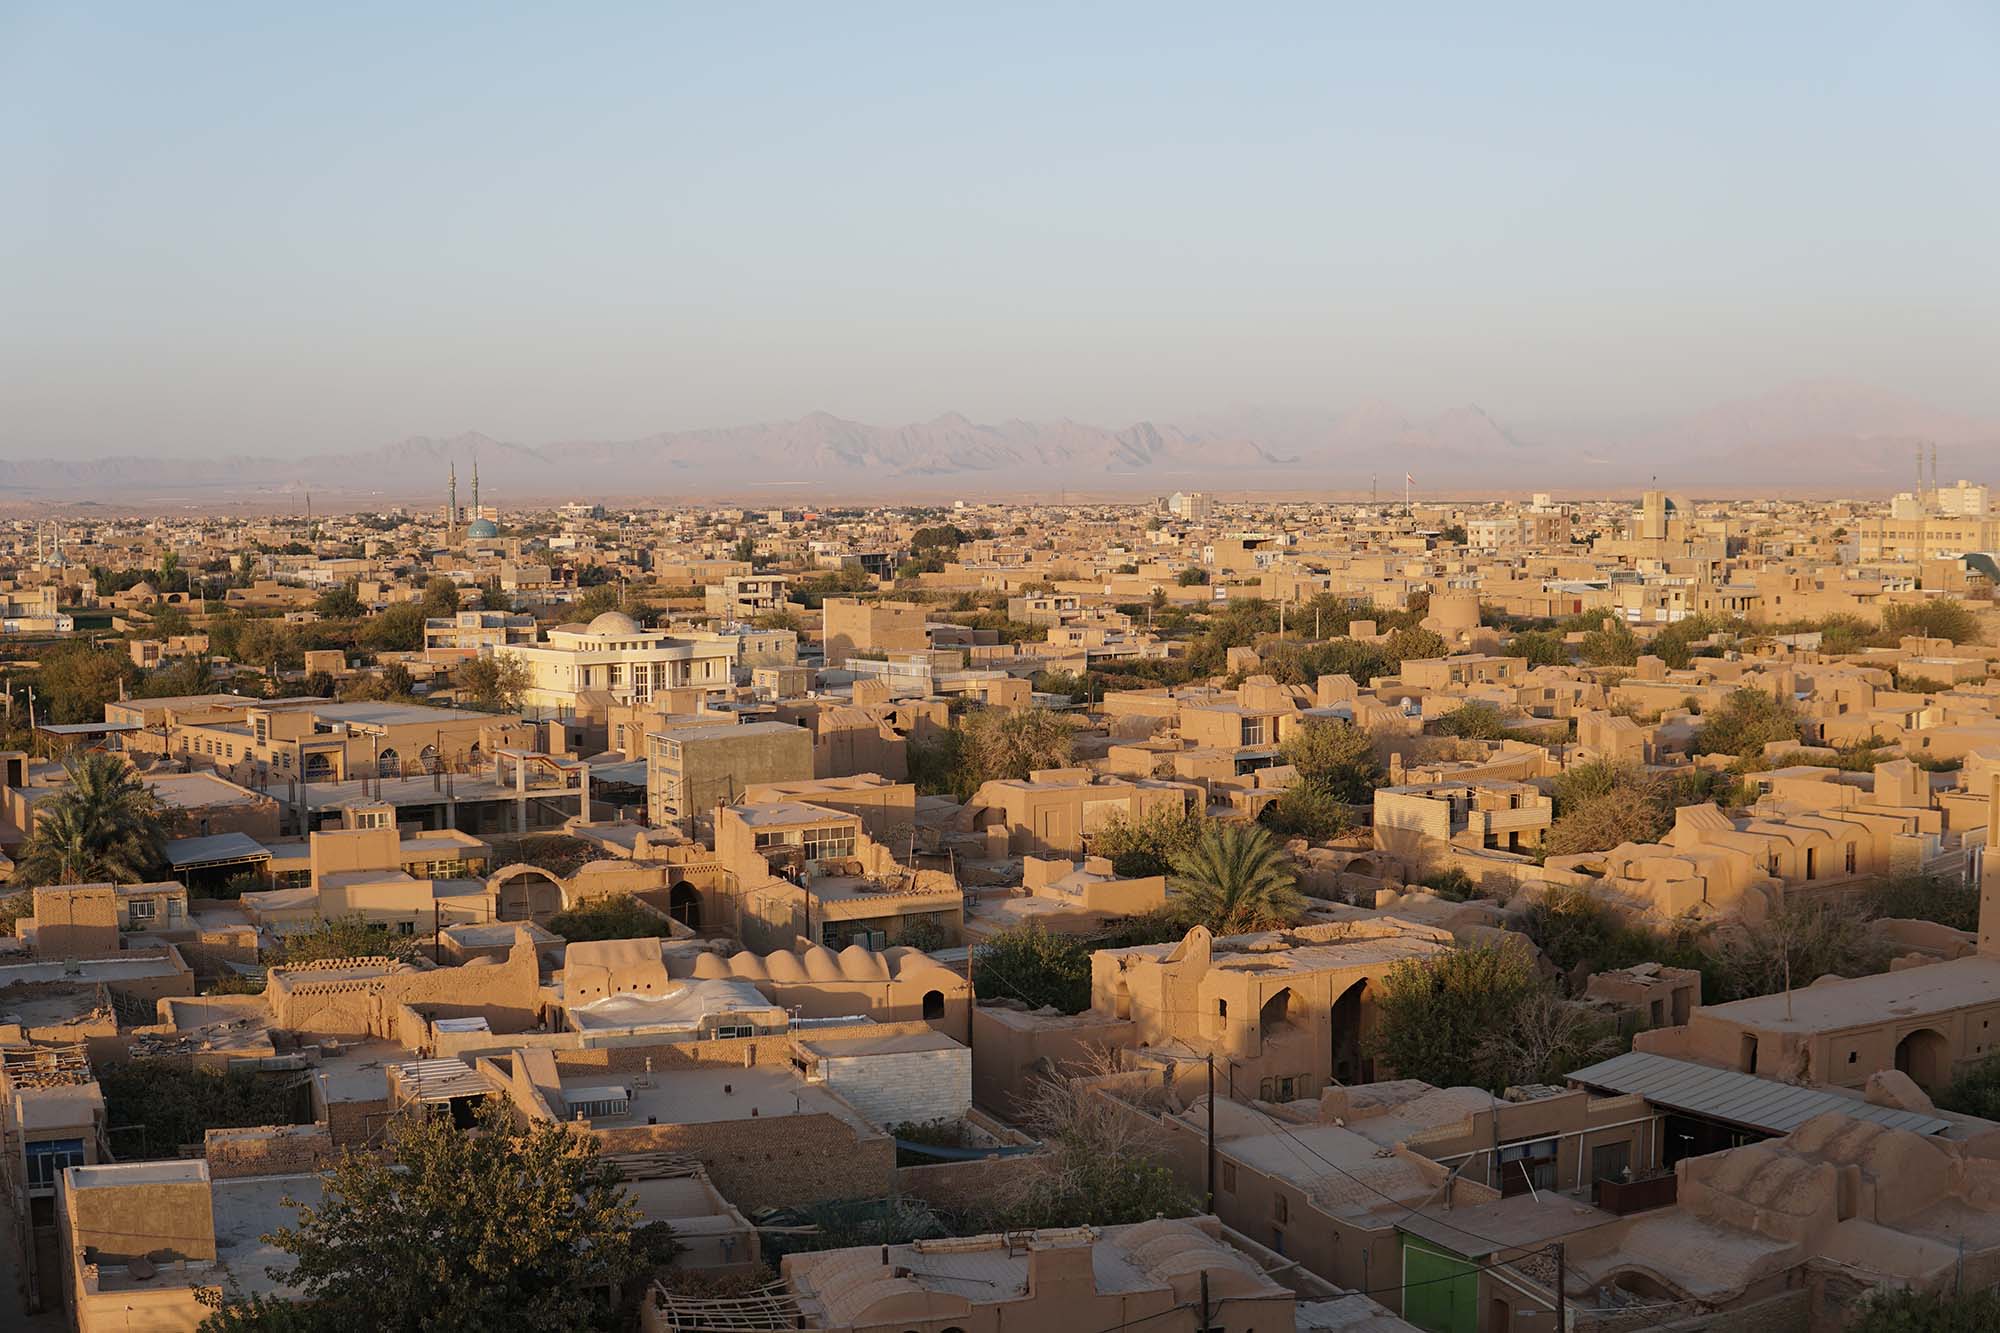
<point>267,1150</point>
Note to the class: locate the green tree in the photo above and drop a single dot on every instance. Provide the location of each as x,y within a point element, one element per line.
<point>440,596</point>
<point>1192,577</point>
<point>1035,966</point>
<point>1437,1017</point>
<point>1539,647</point>
<point>268,644</point>
<point>77,679</point>
<point>1612,643</point>
<point>1939,618</point>
<point>341,602</point>
<point>1416,644</point>
<point>1234,880</point>
<point>345,937</point>
<point>153,1108</point>
<point>398,629</point>
<point>1306,810</point>
<point>1748,720</point>
<point>1975,1090</point>
<point>492,683</point>
<point>507,1230</point>
<point>1143,845</point>
<point>105,825</point>
<point>1337,757</point>
<point>1475,721</point>
<point>596,601</point>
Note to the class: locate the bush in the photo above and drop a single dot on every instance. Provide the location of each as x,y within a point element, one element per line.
<point>1797,944</point>
<point>1304,810</point>
<point>1901,1310</point>
<point>614,918</point>
<point>1921,897</point>
<point>1035,966</point>
<point>345,937</point>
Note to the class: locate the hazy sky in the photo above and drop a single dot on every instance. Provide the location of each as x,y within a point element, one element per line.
<point>264,227</point>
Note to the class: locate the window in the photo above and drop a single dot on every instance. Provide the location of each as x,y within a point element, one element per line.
<point>1527,1166</point>
<point>142,909</point>
<point>406,927</point>
<point>1281,1209</point>
<point>933,1004</point>
<point>1851,858</point>
<point>727,1031</point>
<point>48,1158</point>
<point>1229,1177</point>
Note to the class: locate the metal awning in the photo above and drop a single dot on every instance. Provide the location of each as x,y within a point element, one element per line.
<point>215,849</point>
<point>1736,1098</point>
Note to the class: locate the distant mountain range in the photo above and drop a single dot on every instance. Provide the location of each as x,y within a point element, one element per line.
<point>1815,438</point>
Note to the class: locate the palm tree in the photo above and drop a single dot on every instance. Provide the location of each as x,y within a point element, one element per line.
<point>104,826</point>
<point>1234,880</point>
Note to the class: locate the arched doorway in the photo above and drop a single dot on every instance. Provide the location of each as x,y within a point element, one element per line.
<point>933,1004</point>
<point>1281,1010</point>
<point>318,767</point>
<point>428,758</point>
<point>1350,1059</point>
<point>526,893</point>
<point>388,764</point>
<point>1925,1056</point>
<point>684,905</point>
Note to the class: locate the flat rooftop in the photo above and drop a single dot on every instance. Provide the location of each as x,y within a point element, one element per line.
<point>194,790</point>
<point>1832,1005</point>
<point>120,968</point>
<point>709,1096</point>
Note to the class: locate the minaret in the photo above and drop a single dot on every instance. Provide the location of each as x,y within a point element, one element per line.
<point>451,501</point>
<point>476,513</point>
<point>1989,873</point>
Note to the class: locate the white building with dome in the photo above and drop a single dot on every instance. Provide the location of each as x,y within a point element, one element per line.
<point>614,656</point>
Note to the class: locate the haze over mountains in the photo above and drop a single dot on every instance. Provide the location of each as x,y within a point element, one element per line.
<point>1817,438</point>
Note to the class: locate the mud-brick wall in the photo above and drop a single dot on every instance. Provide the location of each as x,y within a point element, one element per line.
<point>773,1160</point>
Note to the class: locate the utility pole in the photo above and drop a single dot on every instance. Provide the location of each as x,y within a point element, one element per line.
<point>1204,1301</point>
<point>1211,1176</point>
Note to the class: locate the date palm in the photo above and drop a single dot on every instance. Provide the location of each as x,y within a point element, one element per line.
<point>1233,880</point>
<point>103,826</point>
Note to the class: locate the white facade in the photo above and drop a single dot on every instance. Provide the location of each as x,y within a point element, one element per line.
<point>614,656</point>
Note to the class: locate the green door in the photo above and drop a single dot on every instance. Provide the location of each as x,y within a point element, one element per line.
<point>1440,1290</point>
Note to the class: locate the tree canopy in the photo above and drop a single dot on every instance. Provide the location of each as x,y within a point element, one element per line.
<point>1233,880</point>
<point>103,825</point>
<point>509,1230</point>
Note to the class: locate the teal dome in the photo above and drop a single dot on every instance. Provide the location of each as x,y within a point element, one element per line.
<point>482,527</point>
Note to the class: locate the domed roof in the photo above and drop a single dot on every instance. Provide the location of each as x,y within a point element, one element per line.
<point>614,622</point>
<point>482,527</point>
<point>144,590</point>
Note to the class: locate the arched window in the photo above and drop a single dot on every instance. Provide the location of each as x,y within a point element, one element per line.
<point>933,1004</point>
<point>388,764</point>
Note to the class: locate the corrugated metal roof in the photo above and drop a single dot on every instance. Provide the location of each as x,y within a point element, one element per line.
<point>1738,1098</point>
